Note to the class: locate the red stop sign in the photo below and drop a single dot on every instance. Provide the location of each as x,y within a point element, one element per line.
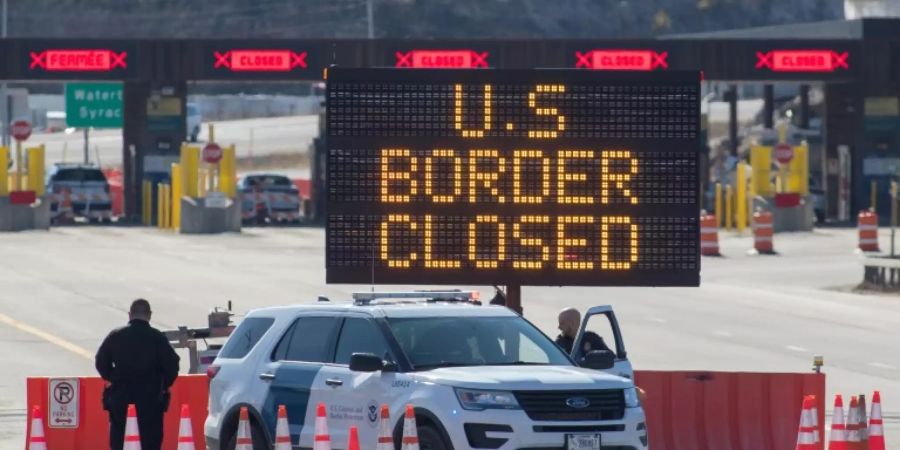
<point>21,129</point>
<point>784,153</point>
<point>212,153</point>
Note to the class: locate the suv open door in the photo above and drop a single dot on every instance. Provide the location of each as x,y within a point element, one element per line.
<point>602,320</point>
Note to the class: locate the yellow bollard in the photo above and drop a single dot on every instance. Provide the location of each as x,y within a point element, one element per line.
<point>729,201</point>
<point>20,170</point>
<point>227,172</point>
<point>4,172</point>
<point>873,202</point>
<point>190,171</point>
<point>36,170</point>
<point>741,196</point>
<point>212,133</point>
<point>160,206</point>
<point>176,194</point>
<point>761,166</point>
<point>719,210</point>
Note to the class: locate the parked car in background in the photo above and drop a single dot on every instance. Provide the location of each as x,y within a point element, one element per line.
<point>194,121</point>
<point>79,190</point>
<point>269,198</point>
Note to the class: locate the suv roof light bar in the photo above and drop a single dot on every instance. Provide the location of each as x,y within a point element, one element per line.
<point>365,298</point>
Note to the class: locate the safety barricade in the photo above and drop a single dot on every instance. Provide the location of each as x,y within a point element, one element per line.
<point>92,431</point>
<point>709,235</point>
<point>867,221</point>
<point>710,410</point>
<point>763,233</point>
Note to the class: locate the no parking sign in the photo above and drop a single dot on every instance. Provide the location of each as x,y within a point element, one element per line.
<point>64,395</point>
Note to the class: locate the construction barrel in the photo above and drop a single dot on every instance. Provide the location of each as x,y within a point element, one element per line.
<point>709,235</point>
<point>868,231</point>
<point>763,232</point>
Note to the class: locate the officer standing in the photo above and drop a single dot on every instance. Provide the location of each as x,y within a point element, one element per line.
<point>139,365</point>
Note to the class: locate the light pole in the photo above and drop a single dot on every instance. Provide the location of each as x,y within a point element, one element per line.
<point>370,17</point>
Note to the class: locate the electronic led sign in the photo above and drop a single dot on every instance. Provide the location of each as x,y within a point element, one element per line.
<point>802,60</point>
<point>78,60</point>
<point>542,177</point>
<point>259,60</point>
<point>442,59</point>
<point>622,60</point>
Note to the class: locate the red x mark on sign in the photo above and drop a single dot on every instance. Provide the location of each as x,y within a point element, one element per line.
<point>78,60</point>
<point>445,59</point>
<point>622,60</point>
<point>259,60</point>
<point>802,60</point>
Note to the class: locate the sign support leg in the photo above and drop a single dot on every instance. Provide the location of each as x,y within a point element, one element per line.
<point>514,298</point>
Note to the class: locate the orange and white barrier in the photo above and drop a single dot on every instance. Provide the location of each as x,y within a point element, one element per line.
<point>876,426</point>
<point>36,438</point>
<point>807,433</point>
<point>867,222</point>
<point>385,436</point>
<point>132,432</point>
<point>185,429</point>
<point>244,436</point>
<point>838,438</point>
<point>410,433</point>
<point>282,432</point>
<point>763,232</point>
<point>709,235</point>
<point>322,440</point>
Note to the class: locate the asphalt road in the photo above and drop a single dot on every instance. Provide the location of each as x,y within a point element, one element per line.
<point>61,291</point>
<point>251,137</point>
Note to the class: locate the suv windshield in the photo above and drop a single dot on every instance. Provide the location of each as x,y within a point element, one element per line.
<point>79,175</point>
<point>266,181</point>
<point>474,341</point>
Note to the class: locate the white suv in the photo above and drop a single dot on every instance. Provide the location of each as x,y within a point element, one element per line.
<point>479,377</point>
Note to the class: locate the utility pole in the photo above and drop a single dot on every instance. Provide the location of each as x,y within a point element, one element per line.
<point>4,95</point>
<point>370,17</point>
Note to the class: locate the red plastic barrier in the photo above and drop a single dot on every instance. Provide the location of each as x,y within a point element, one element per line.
<point>304,186</point>
<point>727,410</point>
<point>116,191</point>
<point>93,428</point>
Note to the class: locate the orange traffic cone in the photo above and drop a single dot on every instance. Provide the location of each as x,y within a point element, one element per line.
<point>132,433</point>
<point>410,433</point>
<point>814,415</point>
<point>385,437</point>
<point>36,438</point>
<point>322,439</point>
<point>353,443</point>
<point>853,436</point>
<point>244,437</point>
<point>863,430</point>
<point>876,426</point>
<point>282,433</point>
<point>838,439</point>
<point>185,430</point>
<point>807,433</point>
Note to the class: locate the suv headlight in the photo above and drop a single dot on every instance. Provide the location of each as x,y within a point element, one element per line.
<point>631,398</point>
<point>477,400</point>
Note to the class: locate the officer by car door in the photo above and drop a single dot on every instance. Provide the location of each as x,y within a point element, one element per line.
<point>601,320</point>
<point>362,378</point>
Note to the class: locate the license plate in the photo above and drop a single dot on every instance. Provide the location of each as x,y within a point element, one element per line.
<point>583,442</point>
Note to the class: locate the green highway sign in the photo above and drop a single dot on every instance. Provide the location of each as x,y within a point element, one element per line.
<point>97,105</point>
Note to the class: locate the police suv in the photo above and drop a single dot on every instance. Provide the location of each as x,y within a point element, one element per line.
<point>479,377</point>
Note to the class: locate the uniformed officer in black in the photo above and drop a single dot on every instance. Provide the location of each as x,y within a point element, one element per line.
<point>139,365</point>
<point>569,323</point>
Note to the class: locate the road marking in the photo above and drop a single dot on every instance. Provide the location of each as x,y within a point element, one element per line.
<point>723,333</point>
<point>882,365</point>
<point>657,319</point>
<point>53,339</point>
<point>794,348</point>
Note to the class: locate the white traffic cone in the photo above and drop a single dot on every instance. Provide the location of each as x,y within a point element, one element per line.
<point>185,430</point>
<point>132,433</point>
<point>244,438</point>
<point>36,439</point>
<point>385,437</point>
<point>282,432</point>
<point>322,440</point>
<point>410,434</point>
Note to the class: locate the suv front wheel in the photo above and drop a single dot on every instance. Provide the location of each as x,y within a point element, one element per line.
<point>430,439</point>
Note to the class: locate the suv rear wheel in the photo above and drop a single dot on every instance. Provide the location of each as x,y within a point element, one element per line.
<point>259,439</point>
